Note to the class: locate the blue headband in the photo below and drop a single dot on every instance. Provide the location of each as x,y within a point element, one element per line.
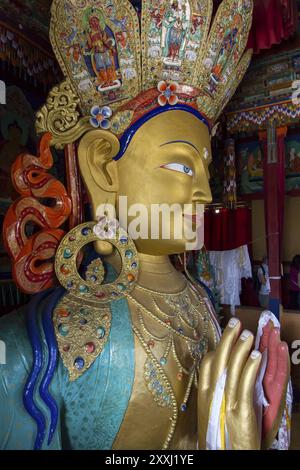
<point>129,133</point>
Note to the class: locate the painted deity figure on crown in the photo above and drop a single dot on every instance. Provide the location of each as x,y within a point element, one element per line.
<point>101,49</point>
<point>127,354</point>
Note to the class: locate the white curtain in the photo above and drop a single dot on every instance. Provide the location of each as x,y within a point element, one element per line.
<point>230,267</point>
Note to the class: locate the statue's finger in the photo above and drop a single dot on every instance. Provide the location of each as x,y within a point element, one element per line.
<point>248,380</point>
<point>238,359</point>
<point>224,349</point>
<point>274,340</point>
<point>273,413</point>
<point>205,372</point>
<point>283,365</point>
<point>204,399</point>
<point>264,341</point>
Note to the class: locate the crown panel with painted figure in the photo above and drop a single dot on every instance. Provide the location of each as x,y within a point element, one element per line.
<point>97,44</point>
<point>173,35</point>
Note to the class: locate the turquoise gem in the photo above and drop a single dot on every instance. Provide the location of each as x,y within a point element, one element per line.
<point>83,289</point>
<point>121,287</point>
<point>63,330</point>
<point>163,361</point>
<point>68,253</point>
<point>129,254</point>
<point>83,311</point>
<point>101,332</point>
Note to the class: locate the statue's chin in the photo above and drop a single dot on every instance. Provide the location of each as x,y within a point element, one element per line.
<point>166,247</point>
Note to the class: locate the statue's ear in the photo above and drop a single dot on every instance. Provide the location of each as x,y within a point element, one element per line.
<point>99,171</point>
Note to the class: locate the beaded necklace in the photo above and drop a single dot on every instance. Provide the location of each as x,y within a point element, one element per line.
<point>185,312</point>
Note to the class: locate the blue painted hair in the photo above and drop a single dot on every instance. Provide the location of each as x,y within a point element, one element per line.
<point>38,364</point>
<point>129,133</point>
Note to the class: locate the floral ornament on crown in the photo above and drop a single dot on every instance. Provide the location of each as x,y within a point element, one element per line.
<point>100,117</point>
<point>168,93</point>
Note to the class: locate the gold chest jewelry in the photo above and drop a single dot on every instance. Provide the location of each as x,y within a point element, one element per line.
<point>173,332</point>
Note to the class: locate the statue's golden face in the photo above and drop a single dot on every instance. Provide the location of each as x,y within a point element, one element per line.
<point>166,163</point>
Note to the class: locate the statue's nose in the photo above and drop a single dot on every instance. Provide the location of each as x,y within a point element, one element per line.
<point>202,193</point>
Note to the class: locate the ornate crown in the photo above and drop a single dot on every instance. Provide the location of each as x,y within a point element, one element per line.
<point>117,75</point>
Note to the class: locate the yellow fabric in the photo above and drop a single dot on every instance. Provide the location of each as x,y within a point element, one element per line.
<point>222,424</point>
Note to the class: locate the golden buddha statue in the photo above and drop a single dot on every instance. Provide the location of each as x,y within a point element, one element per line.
<point>128,355</point>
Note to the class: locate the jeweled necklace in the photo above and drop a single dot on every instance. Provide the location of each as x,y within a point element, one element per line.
<point>196,348</point>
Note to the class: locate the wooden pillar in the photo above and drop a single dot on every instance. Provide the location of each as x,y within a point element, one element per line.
<point>274,193</point>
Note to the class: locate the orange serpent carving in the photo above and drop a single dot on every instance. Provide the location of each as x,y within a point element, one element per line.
<point>32,254</point>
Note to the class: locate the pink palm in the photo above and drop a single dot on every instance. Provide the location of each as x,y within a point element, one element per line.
<point>276,377</point>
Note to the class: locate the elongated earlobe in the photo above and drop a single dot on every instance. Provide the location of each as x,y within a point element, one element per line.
<point>100,173</point>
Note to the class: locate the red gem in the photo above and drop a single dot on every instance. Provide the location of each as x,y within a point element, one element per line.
<point>72,238</point>
<point>131,277</point>
<point>66,348</point>
<point>151,344</point>
<point>101,295</point>
<point>180,376</point>
<point>167,322</point>
<point>90,348</point>
<point>63,313</point>
<point>64,270</point>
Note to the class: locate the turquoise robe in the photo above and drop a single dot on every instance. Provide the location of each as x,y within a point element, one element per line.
<point>39,407</point>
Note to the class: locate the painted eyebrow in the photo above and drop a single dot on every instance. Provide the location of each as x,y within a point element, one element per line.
<point>180,142</point>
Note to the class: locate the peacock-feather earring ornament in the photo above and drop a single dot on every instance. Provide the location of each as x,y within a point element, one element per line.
<point>92,288</point>
<point>82,318</point>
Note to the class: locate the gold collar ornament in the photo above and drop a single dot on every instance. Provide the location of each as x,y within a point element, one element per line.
<point>82,331</point>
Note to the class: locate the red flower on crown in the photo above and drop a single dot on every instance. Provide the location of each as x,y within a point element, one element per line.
<point>168,93</point>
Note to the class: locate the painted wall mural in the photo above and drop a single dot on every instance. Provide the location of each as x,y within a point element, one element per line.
<point>250,167</point>
<point>250,164</point>
<point>293,162</point>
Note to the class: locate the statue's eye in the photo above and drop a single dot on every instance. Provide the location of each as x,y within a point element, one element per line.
<point>179,167</point>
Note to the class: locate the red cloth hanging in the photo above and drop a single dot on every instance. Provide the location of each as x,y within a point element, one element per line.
<point>273,21</point>
<point>227,229</point>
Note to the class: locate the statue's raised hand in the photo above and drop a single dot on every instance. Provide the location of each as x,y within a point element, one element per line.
<point>235,355</point>
<point>275,381</point>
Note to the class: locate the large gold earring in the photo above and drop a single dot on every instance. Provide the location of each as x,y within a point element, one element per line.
<point>92,288</point>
